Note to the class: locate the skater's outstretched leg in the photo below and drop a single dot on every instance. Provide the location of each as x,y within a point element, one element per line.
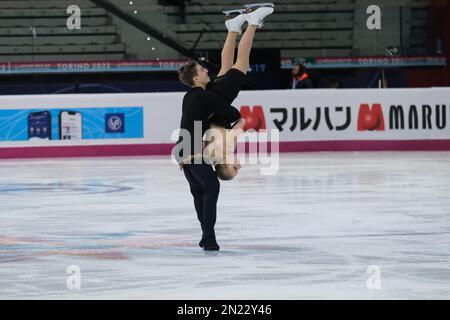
<point>228,53</point>
<point>234,21</point>
<point>255,19</point>
<point>245,46</point>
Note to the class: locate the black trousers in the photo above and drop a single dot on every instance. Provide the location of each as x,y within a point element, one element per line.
<point>205,188</point>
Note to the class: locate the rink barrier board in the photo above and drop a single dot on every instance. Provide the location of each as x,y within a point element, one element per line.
<point>145,123</point>
<point>166,149</point>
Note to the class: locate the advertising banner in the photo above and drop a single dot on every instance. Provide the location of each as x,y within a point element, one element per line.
<point>366,62</point>
<point>307,120</point>
<point>52,67</point>
<point>71,123</point>
<point>342,115</point>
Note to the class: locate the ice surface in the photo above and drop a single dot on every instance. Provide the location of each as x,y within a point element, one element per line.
<point>311,231</point>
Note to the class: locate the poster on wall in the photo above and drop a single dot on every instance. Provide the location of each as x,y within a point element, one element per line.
<point>71,123</point>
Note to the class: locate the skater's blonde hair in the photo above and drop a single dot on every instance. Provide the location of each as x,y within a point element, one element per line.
<point>222,172</point>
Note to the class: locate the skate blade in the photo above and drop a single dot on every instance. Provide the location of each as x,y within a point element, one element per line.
<point>236,11</point>
<point>211,252</point>
<point>259,5</point>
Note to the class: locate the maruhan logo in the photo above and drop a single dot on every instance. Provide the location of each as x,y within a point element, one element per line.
<point>254,118</point>
<point>400,117</point>
<point>370,118</point>
<point>419,117</point>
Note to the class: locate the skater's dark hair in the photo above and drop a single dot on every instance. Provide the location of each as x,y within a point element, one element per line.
<point>302,68</point>
<point>222,173</point>
<point>187,73</point>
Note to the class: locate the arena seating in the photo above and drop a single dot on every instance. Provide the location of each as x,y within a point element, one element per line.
<point>308,28</point>
<point>36,31</point>
<point>312,28</point>
<point>418,27</point>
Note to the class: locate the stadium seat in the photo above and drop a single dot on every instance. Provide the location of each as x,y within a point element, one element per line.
<point>37,31</point>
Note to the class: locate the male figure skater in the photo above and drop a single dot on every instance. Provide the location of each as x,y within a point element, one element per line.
<point>206,101</point>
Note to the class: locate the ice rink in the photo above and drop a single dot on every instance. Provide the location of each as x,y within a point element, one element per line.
<point>309,232</point>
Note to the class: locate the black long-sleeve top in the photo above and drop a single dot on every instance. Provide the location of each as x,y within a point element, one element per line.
<point>199,105</point>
